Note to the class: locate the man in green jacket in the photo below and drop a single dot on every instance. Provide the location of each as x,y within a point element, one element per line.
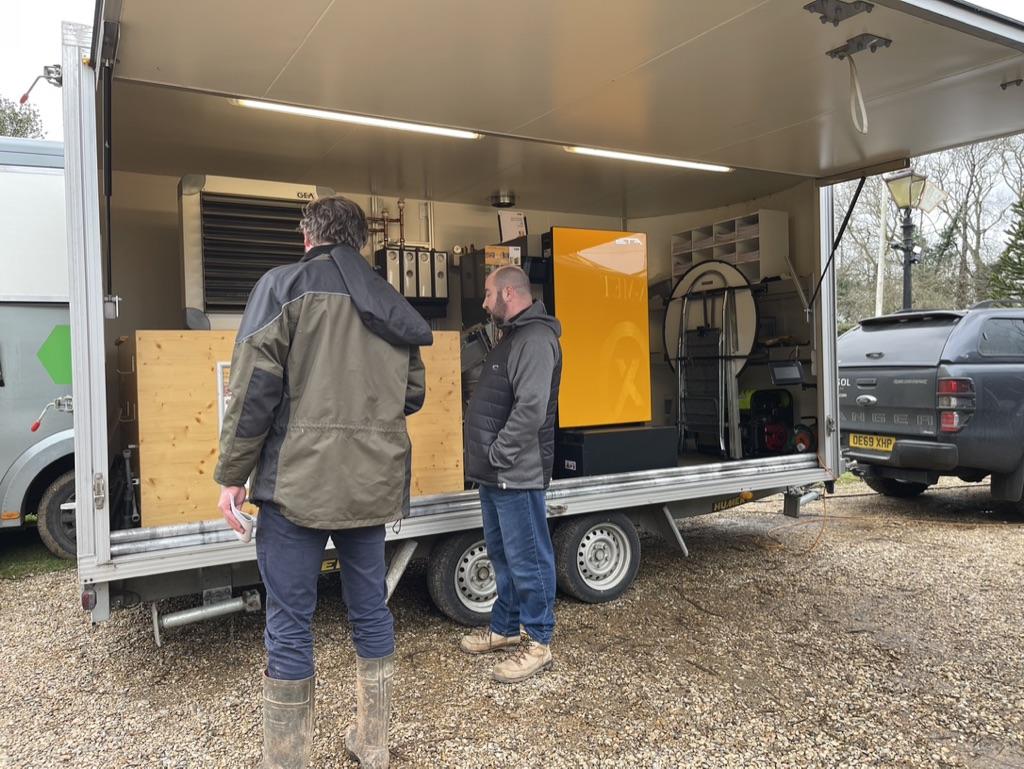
<point>325,370</point>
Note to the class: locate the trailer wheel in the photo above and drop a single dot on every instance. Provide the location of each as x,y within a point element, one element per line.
<point>460,578</point>
<point>892,487</point>
<point>596,556</point>
<point>56,526</point>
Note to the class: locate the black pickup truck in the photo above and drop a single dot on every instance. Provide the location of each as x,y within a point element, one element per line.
<point>931,393</point>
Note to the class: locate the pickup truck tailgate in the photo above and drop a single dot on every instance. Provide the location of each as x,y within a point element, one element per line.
<point>892,401</point>
<point>888,372</point>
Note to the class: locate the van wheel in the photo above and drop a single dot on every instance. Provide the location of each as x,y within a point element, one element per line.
<point>890,487</point>
<point>460,578</point>
<point>597,556</point>
<point>56,526</point>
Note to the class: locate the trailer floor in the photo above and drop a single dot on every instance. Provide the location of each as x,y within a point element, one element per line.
<point>892,639</point>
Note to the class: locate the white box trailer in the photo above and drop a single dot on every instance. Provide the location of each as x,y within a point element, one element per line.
<point>37,443</point>
<point>756,86</point>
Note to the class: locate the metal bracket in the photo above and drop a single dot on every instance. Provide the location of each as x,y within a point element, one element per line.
<point>865,42</point>
<point>127,412</point>
<point>796,498</point>
<point>129,372</point>
<point>111,307</point>
<point>99,491</point>
<point>835,12</point>
<point>215,595</point>
<point>399,562</point>
<point>65,403</point>
<point>661,522</point>
<point>248,602</point>
<point>54,74</point>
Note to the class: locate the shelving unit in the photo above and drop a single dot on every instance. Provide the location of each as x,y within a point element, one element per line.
<point>757,243</point>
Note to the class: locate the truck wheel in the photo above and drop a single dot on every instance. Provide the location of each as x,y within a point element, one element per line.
<point>56,526</point>
<point>460,578</point>
<point>890,487</point>
<point>596,556</point>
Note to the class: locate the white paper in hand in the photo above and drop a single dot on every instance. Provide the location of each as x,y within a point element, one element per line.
<point>246,521</point>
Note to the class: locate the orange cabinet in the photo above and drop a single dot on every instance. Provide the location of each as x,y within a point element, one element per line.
<point>600,293</point>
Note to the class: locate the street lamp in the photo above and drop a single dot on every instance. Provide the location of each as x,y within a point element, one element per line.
<point>911,190</point>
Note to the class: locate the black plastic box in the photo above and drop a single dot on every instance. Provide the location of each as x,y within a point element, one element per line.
<point>605,450</point>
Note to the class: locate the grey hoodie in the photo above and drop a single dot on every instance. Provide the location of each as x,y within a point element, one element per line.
<point>510,421</point>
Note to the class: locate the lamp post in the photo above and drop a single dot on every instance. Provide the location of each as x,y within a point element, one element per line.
<point>911,190</point>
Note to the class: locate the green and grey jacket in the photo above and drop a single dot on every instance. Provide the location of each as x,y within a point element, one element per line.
<point>325,369</point>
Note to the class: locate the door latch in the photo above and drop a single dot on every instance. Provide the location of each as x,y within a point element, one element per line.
<point>99,491</point>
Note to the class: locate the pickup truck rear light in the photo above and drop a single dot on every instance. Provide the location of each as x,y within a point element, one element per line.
<point>962,386</point>
<point>952,421</point>
<point>955,401</point>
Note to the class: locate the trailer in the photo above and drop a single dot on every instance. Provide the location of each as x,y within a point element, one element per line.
<point>37,450</point>
<point>711,133</point>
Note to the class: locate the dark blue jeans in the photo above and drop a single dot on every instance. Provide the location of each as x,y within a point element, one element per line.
<point>289,558</point>
<point>519,545</point>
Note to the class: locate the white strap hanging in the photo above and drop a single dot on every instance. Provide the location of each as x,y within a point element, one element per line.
<point>858,110</point>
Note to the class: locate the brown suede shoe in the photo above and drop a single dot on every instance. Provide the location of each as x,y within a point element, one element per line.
<point>529,658</point>
<point>483,640</point>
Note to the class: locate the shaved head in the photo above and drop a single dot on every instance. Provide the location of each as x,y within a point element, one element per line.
<point>512,277</point>
<point>507,292</point>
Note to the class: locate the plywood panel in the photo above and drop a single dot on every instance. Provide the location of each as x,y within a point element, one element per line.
<point>178,422</point>
<point>436,430</point>
<point>174,392</point>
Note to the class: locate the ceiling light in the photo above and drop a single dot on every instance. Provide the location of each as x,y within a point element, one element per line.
<point>364,120</point>
<point>648,159</point>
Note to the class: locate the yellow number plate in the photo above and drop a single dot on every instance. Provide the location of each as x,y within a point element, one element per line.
<point>872,442</point>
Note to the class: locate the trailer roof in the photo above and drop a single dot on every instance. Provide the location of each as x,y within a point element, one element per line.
<point>745,83</point>
<point>35,153</point>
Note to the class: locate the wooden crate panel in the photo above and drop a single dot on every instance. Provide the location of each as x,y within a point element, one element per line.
<point>174,392</point>
<point>179,423</point>
<point>436,430</point>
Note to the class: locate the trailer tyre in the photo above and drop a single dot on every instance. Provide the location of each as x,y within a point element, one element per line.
<point>56,526</point>
<point>891,487</point>
<point>460,578</point>
<point>596,556</point>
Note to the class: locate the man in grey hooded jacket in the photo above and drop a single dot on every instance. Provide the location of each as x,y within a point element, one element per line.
<point>510,431</point>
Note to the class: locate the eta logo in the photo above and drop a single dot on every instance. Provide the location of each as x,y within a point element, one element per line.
<point>305,195</point>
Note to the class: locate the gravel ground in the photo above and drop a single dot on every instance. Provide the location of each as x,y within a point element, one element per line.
<point>892,637</point>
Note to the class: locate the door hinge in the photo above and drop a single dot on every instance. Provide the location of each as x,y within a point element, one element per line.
<point>830,425</point>
<point>99,491</point>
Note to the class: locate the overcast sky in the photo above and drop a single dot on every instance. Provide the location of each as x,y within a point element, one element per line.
<point>31,38</point>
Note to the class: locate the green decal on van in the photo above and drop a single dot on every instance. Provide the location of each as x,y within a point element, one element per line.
<point>55,355</point>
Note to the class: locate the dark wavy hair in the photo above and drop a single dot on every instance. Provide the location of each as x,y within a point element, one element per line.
<point>334,219</point>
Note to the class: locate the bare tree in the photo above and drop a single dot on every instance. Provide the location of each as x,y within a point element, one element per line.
<point>960,242</point>
<point>20,120</point>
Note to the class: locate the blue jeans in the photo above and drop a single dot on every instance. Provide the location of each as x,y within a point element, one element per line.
<point>289,557</point>
<point>519,546</point>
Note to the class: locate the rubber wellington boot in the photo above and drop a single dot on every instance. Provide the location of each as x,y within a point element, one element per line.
<point>287,722</point>
<point>367,741</point>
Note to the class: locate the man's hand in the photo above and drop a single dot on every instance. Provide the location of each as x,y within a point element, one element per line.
<point>227,493</point>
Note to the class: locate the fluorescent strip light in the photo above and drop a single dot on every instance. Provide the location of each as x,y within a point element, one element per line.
<point>648,159</point>
<point>346,117</point>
